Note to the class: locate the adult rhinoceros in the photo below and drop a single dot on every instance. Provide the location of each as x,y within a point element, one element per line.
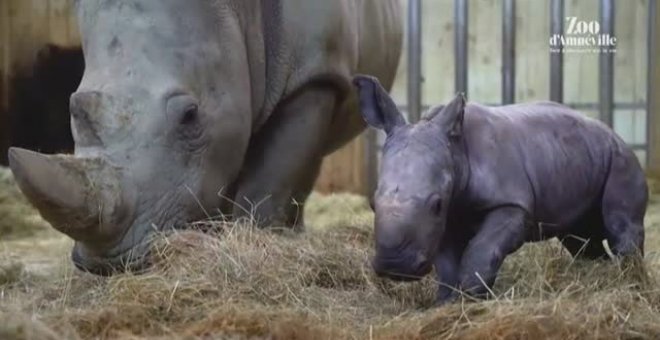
<point>183,99</point>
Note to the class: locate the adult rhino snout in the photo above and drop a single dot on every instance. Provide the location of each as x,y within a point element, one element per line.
<point>80,197</point>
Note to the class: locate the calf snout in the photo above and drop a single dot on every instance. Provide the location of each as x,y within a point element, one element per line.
<point>406,265</point>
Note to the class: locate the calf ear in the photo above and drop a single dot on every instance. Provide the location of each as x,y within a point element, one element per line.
<point>432,112</point>
<point>377,107</point>
<point>450,118</point>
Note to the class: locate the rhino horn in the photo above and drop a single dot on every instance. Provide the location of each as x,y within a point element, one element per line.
<point>60,188</point>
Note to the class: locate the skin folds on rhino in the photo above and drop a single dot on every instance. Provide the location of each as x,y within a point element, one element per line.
<point>189,108</point>
<point>469,184</point>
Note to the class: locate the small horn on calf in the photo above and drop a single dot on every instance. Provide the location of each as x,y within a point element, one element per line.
<point>61,188</point>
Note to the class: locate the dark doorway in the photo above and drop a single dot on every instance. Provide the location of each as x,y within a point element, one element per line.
<point>38,109</point>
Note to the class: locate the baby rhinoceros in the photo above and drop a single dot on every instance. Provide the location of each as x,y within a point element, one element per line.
<point>469,184</point>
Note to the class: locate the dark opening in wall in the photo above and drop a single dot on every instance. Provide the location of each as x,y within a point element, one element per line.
<point>4,121</point>
<point>38,109</point>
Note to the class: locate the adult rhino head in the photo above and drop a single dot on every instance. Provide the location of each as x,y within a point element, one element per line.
<point>161,122</point>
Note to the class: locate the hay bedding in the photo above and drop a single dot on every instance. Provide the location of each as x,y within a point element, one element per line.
<point>17,218</point>
<point>237,282</point>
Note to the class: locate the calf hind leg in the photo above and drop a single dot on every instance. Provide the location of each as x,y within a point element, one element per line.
<point>624,205</point>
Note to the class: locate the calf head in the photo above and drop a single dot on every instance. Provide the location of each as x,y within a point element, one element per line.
<point>161,123</point>
<point>416,181</point>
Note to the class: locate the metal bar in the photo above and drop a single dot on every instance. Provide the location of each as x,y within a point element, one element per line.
<point>616,106</point>
<point>556,55</point>
<point>461,45</point>
<point>508,51</point>
<point>652,115</point>
<point>414,59</point>
<point>642,147</point>
<point>606,64</point>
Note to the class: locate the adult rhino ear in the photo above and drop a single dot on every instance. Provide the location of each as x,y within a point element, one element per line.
<point>450,117</point>
<point>377,107</point>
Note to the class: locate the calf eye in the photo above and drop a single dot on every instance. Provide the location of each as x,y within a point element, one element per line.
<point>436,204</point>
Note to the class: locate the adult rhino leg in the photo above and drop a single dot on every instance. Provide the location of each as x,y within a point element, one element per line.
<point>501,233</point>
<point>284,159</point>
<point>624,205</point>
<point>585,239</point>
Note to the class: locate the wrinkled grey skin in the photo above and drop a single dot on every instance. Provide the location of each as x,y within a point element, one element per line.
<point>188,107</point>
<point>469,184</point>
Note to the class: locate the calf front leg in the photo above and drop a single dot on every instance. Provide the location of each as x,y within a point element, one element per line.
<point>501,233</point>
<point>446,268</point>
<point>284,159</point>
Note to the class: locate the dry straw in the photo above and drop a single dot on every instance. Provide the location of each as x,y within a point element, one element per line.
<point>238,282</point>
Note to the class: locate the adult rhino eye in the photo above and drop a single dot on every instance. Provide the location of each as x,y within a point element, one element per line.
<point>189,115</point>
<point>183,109</point>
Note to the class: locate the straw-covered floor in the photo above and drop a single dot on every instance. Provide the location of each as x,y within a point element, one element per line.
<point>240,282</point>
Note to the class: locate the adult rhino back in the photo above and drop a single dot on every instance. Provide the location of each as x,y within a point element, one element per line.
<point>193,108</point>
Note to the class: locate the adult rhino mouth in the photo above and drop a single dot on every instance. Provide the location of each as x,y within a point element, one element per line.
<point>134,260</point>
<point>132,254</point>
